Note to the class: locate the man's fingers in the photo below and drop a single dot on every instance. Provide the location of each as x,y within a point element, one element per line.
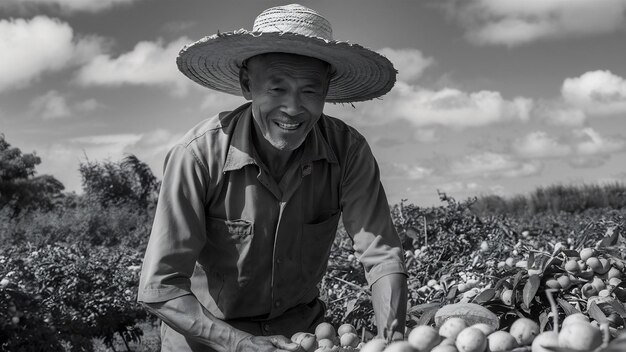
<point>285,344</point>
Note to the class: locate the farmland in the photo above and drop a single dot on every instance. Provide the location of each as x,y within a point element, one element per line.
<point>69,273</point>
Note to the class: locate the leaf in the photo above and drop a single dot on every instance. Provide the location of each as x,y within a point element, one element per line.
<point>531,260</point>
<point>452,293</point>
<point>427,316</point>
<point>530,289</point>
<point>349,307</point>
<point>485,296</point>
<point>570,253</point>
<point>517,279</point>
<point>610,237</point>
<point>567,307</point>
<point>543,320</point>
<point>596,313</point>
<point>619,308</point>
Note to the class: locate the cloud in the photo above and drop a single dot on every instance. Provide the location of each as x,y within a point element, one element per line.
<point>560,113</point>
<point>426,135</point>
<point>596,92</point>
<point>31,48</point>
<point>409,62</point>
<point>149,63</point>
<point>53,105</point>
<point>514,23</point>
<point>62,159</point>
<point>590,142</point>
<point>494,165</point>
<point>446,107</point>
<point>64,6</point>
<point>394,171</point>
<point>581,148</point>
<point>539,145</point>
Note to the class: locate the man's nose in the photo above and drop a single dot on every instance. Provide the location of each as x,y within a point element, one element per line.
<point>292,104</point>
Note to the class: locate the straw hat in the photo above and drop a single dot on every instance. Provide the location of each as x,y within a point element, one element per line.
<point>358,73</point>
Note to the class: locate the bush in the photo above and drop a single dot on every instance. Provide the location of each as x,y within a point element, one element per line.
<point>58,295</point>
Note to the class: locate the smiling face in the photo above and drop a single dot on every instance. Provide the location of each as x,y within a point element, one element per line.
<point>287,93</point>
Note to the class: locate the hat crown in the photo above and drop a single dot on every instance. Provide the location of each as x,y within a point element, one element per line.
<point>293,18</point>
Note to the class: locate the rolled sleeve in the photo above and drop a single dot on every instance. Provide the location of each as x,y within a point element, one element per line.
<point>367,217</point>
<point>178,230</point>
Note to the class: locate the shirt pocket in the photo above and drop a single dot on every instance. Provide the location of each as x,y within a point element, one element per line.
<point>317,240</point>
<point>229,253</point>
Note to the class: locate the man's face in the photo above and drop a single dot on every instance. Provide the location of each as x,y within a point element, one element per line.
<point>287,93</point>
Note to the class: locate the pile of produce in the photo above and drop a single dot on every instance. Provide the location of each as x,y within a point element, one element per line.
<point>480,286</point>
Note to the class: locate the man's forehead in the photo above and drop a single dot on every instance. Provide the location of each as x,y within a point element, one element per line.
<point>276,57</point>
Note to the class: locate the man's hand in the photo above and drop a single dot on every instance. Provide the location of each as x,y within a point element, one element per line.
<point>267,343</point>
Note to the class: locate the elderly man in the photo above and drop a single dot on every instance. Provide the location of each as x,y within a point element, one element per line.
<point>251,198</point>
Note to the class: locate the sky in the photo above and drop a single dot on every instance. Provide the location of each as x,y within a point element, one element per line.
<point>493,97</point>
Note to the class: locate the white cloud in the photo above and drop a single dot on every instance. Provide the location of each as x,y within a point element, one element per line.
<point>53,105</point>
<point>394,171</point>
<point>514,23</point>
<point>33,47</point>
<point>596,92</point>
<point>540,145</point>
<point>426,135</point>
<point>65,6</point>
<point>409,62</point>
<point>62,159</point>
<point>589,142</point>
<point>560,113</point>
<point>446,107</point>
<point>494,165</point>
<point>149,63</point>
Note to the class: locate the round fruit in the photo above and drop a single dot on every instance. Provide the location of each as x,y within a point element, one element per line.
<point>580,337</point>
<point>572,266</point>
<point>399,346</point>
<point>524,331</point>
<point>606,266</point>
<point>452,327</point>
<point>553,283</point>
<point>423,338</point>
<point>307,342</point>
<point>375,345</point>
<point>587,253</point>
<point>471,340</point>
<point>594,264</point>
<point>344,328</point>
<point>349,339</point>
<point>588,290</point>
<point>573,318</point>
<point>614,273</point>
<point>485,328</point>
<point>545,340</point>
<point>325,330</point>
<point>507,297</point>
<point>325,343</point>
<point>295,336</point>
<point>500,341</point>
<point>564,281</point>
<point>598,283</point>
<point>444,348</point>
<point>448,341</point>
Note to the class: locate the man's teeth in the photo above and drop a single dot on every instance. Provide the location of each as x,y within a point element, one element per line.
<point>288,126</point>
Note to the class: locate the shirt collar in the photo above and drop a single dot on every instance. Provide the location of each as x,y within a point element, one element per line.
<point>241,151</point>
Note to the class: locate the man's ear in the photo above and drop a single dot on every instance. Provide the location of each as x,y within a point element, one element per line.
<point>244,81</point>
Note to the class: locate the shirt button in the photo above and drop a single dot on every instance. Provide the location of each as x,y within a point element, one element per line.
<point>279,261</point>
<point>278,303</point>
<point>267,327</point>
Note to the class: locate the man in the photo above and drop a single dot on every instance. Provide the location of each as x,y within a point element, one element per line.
<point>251,199</point>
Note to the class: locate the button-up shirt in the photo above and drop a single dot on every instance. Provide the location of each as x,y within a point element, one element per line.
<point>249,247</point>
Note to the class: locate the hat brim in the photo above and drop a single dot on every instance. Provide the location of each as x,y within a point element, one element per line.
<point>359,73</point>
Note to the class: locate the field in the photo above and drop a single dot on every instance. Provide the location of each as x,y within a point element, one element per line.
<point>70,264</point>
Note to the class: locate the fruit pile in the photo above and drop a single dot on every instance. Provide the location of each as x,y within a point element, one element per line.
<point>533,296</point>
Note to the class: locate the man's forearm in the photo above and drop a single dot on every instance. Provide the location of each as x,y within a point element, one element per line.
<point>389,297</point>
<point>188,317</point>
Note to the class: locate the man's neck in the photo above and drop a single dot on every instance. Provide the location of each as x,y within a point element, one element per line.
<point>277,161</point>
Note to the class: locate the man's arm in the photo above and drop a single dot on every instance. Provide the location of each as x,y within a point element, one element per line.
<point>188,317</point>
<point>389,298</point>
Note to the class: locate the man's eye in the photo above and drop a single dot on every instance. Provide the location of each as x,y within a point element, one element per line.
<point>277,89</point>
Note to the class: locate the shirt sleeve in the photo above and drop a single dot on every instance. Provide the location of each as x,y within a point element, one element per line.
<point>367,218</point>
<point>178,230</point>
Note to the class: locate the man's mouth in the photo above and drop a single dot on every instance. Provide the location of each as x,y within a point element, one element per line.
<point>288,126</point>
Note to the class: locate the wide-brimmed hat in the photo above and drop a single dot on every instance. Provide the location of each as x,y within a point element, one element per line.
<point>358,73</point>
